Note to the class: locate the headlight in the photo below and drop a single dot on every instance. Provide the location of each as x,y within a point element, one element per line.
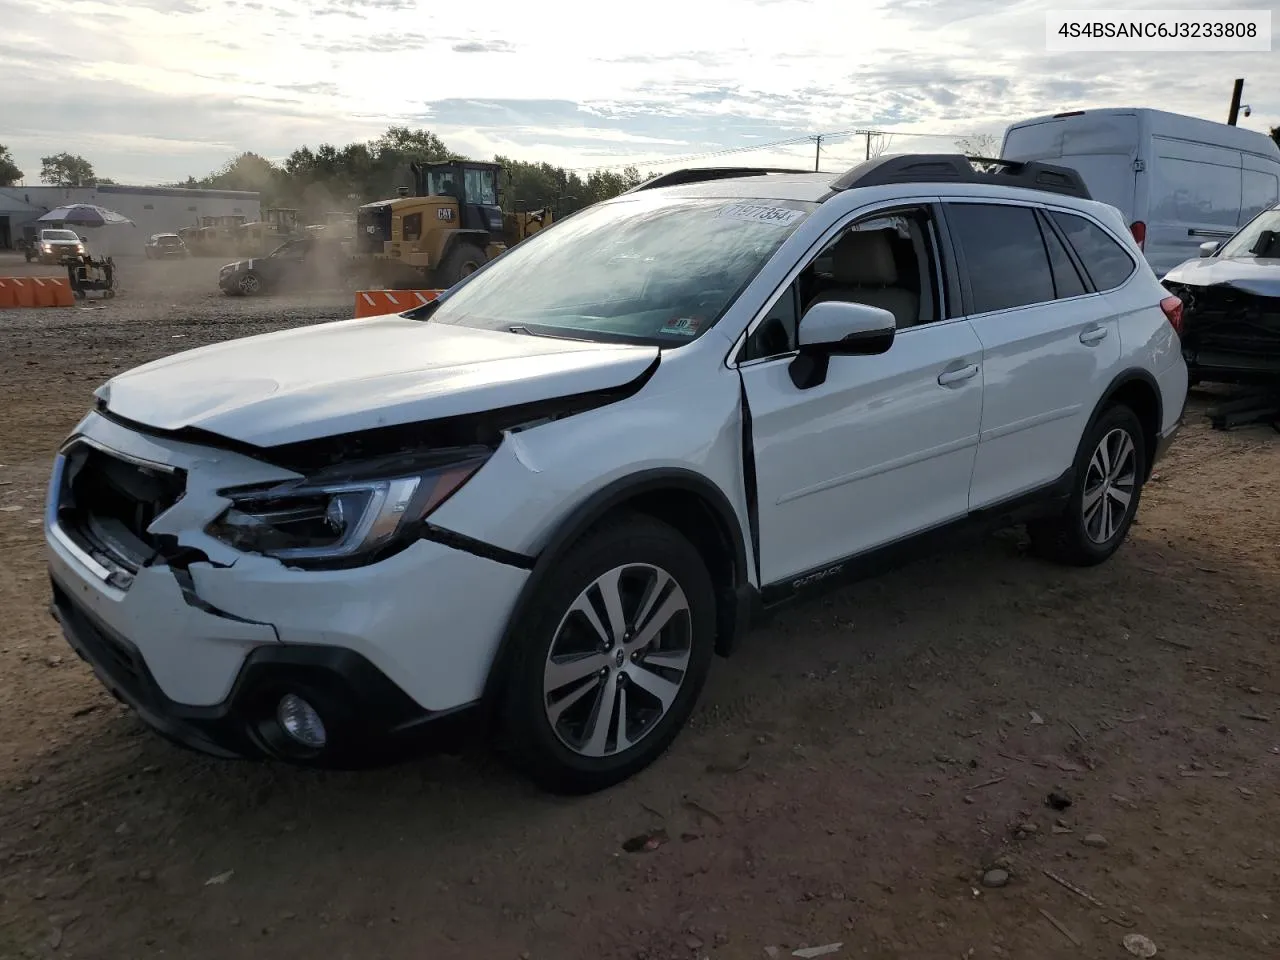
<point>48,248</point>
<point>344,513</point>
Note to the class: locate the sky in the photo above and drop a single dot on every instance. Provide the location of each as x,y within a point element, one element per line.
<point>151,91</point>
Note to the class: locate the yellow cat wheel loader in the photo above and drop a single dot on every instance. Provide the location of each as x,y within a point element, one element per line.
<point>450,227</point>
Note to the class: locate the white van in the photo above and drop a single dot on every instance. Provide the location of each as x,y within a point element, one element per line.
<point>1178,180</point>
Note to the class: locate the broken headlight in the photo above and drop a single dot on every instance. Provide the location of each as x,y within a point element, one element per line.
<point>344,512</point>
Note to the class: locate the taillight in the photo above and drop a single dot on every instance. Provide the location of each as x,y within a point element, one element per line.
<point>1139,231</point>
<point>1172,307</point>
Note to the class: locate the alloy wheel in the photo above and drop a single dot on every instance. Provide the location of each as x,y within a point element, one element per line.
<point>1109,485</point>
<point>618,660</point>
<point>249,285</point>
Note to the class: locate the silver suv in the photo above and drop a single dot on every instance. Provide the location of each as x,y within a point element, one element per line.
<point>542,502</point>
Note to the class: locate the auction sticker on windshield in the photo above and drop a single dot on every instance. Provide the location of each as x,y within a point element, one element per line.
<point>680,327</point>
<point>762,213</point>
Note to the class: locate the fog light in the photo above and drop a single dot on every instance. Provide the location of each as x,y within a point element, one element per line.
<point>300,721</point>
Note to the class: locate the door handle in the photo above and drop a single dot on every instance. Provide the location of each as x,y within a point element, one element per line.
<point>949,377</point>
<point>1093,335</point>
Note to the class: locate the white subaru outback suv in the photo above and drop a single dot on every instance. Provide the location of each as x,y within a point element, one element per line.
<point>539,505</point>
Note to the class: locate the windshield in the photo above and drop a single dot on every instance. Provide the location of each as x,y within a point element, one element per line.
<point>59,235</point>
<point>479,187</point>
<point>287,248</point>
<point>1250,242</point>
<point>649,270</point>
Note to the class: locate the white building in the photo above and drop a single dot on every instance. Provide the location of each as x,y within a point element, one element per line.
<point>152,209</point>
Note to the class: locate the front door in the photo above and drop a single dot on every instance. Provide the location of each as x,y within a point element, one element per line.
<point>884,447</point>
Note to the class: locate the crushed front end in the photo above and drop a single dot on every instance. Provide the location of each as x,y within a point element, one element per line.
<point>236,653</point>
<point>1231,333</point>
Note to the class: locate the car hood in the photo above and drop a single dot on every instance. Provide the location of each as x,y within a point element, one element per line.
<point>1260,277</point>
<point>354,375</point>
<point>236,265</point>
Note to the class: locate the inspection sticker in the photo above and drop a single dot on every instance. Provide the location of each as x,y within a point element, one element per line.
<point>680,327</point>
<point>761,213</point>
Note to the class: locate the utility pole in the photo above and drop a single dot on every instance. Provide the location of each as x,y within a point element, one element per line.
<point>868,134</point>
<point>1235,102</point>
<point>817,151</point>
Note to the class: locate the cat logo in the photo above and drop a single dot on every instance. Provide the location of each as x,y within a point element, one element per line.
<point>444,213</point>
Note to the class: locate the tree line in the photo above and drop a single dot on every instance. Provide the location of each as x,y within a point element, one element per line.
<point>331,178</point>
<point>327,178</point>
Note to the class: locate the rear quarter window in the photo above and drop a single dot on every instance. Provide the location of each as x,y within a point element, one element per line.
<point>1107,263</point>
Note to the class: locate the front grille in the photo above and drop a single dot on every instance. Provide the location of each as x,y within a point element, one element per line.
<point>122,665</point>
<point>1226,318</point>
<point>108,503</point>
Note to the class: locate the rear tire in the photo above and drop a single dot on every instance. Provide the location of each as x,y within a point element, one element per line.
<point>462,261</point>
<point>1110,469</point>
<point>569,680</point>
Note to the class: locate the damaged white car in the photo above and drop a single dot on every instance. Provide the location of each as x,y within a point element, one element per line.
<point>538,506</point>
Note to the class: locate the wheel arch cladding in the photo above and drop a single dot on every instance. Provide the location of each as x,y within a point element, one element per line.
<point>1138,390</point>
<point>683,499</point>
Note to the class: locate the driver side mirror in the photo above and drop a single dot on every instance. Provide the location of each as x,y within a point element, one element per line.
<point>841,329</point>
<point>1209,247</point>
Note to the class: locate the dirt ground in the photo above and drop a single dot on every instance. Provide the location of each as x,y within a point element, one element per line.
<point>851,774</point>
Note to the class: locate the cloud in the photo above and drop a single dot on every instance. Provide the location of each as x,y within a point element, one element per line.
<point>483,46</point>
<point>183,85</point>
<point>359,9</point>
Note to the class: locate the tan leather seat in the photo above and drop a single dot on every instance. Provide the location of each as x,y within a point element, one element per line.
<point>862,264</point>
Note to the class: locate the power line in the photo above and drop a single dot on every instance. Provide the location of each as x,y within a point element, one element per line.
<point>792,141</point>
<point>713,153</point>
<point>693,156</point>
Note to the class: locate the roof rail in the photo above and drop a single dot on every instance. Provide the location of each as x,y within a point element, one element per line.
<point>956,168</point>
<point>702,174</point>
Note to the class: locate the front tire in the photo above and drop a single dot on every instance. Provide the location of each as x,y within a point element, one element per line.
<point>248,284</point>
<point>1110,469</point>
<point>612,657</point>
<point>464,260</point>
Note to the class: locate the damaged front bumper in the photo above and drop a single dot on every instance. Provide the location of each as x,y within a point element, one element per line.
<point>203,641</point>
<point>1230,334</point>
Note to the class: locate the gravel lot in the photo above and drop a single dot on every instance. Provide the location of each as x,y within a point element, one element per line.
<point>851,776</point>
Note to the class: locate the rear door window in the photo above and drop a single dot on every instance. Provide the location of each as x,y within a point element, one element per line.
<point>1107,263</point>
<point>1004,255</point>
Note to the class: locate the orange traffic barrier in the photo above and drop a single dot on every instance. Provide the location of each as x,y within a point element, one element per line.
<point>378,303</point>
<point>24,292</point>
<point>62,295</point>
<point>36,292</point>
<point>41,292</point>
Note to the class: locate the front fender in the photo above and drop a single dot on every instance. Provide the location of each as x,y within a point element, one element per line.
<point>540,477</point>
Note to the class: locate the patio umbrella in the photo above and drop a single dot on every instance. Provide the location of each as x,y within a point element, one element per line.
<point>84,215</point>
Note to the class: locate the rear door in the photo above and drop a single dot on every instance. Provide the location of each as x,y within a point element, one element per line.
<point>1194,192</point>
<point>1049,343</point>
